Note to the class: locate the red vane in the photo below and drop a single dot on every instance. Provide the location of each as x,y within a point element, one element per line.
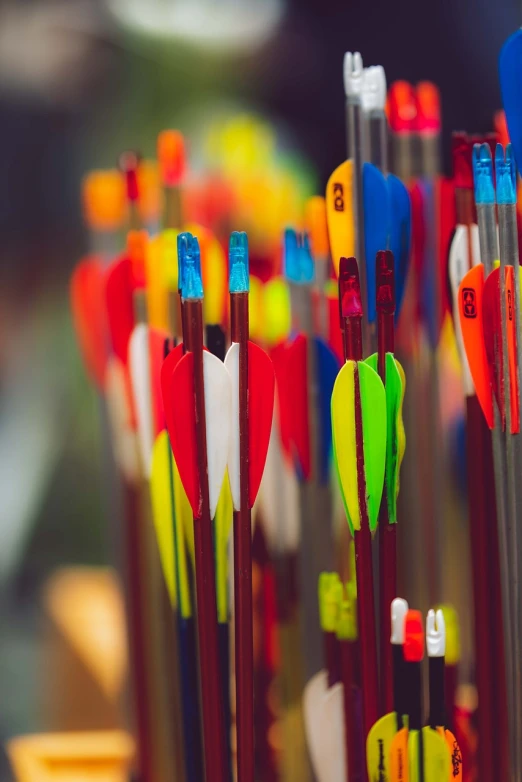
<point>278,355</point>
<point>119,300</point>
<point>413,648</point>
<point>428,108</point>
<point>492,333</point>
<point>87,291</point>
<point>177,386</point>
<point>261,387</point>
<point>512,349</point>
<point>297,390</point>
<point>402,107</point>
<point>157,339</point>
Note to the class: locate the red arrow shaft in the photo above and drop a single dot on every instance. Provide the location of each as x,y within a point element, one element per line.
<point>363,546</point>
<point>211,684</point>
<point>243,559</point>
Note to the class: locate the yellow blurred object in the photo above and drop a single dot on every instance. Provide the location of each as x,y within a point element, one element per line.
<point>316,225</point>
<point>149,192</point>
<point>451,620</point>
<point>276,311</point>
<point>339,209</point>
<point>87,652</point>
<point>104,200</point>
<point>156,278</point>
<point>104,756</point>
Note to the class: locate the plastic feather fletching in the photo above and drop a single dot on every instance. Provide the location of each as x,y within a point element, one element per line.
<point>168,525</point>
<point>377,226</point>
<point>435,753</point>
<point>395,438</point>
<point>378,744</point>
<point>339,210</point>
<point>458,265</point>
<point>87,292</point>
<point>140,375</point>
<point>178,396</point>
<point>400,235</point>
<point>492,336</point>
<point>470,297</point>
<point>296,403</point>
<point>261,389</point>
<point>373,405</point>
<point>510,70</point>
<point>119,290</point>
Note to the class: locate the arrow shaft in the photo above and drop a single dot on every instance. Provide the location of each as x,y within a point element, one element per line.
<point>243,558</point>
<point>211,685</point>
<point>352,328</point>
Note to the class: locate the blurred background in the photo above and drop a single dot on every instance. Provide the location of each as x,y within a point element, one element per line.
<point>79,81</point>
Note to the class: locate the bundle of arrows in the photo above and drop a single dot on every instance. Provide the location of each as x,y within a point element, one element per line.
<point>257,437</point>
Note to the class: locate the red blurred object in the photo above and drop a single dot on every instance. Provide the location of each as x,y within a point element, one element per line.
<point>88,310</point>
<point>501,128</point>
<point>129,164</point>
<point>171,157</point>
<point>261,383</point>
<point>413,637</point>
<point>428,108</point>
<point>401,107</point>
<point>119,289</point>
<point>136,248</point>
<point>461,150</point>
<point>297,376</point>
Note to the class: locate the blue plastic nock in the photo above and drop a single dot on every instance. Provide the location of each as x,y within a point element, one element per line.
<point>483,175</point>
<point>291,255</point>
<point>189,265</point>
<point>506,175</point>
<point>238,280</point>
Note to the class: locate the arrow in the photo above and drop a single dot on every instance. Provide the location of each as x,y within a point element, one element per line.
<point>392,376</point>
<point>382,733</point>
<point>359,438</point>
<point>197,398</point>
<point>417,754</point>
<point>436,645</point>
<point>253,384</point>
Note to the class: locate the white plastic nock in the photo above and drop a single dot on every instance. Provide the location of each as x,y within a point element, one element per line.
<point>435,633</point>
<point>399,609</point>
<point>353,74</point>
<point>373,95</point>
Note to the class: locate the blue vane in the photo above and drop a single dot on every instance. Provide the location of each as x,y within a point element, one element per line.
<point>400,237</point>
<point>377,226</point>
<point>510,71</point>
<point>327,368</point>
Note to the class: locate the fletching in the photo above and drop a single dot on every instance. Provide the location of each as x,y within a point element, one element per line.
<point>458,265</point>
<point>223,525</point>
<point>435,753</point>
<point>378,745</point>
<point>373,405</point>
<point>172,556</point>
<point>140,375</point>
<point>510,71</point>
<point>470,297</point>
<point>398,758</point>
<point>295,396</point>
<point>492,336</point>
<point>395,438</point>
<point>261,387</point>
<point>156,357</point>
<point>377,226</point>
<point>339,211</point>
<point>157,291</point>
<point>324,725</point>
<point>327,365</point>
<point>87,291</point>
<point>121,420</point>
<point>178,399</point>
<point>400,235</point>
<point>120,312</point>
<point>512,348</point>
